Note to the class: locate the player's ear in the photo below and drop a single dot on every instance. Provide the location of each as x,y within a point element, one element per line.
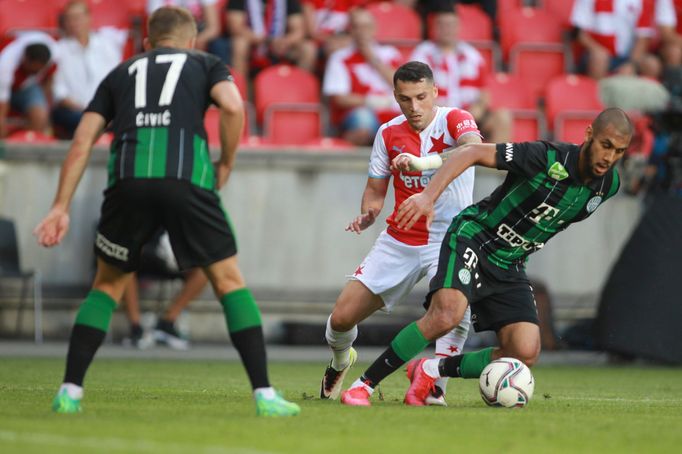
<point>146,44</point>
<point>435,91</point>
<point>588,133</point>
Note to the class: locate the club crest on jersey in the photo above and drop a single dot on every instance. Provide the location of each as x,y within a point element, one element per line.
<point>593,203</point>
<point>464,276</point>
<point>558,172</point>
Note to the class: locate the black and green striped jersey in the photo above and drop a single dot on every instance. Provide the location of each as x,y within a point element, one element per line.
<point>156,103</point>
<point>541,196</point>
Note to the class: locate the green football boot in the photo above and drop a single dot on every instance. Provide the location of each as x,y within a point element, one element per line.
<point>63,403</point>
<point>276,406</point>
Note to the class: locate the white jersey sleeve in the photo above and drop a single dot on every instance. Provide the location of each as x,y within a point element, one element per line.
<point>379,166</point>
<point>582,14</point>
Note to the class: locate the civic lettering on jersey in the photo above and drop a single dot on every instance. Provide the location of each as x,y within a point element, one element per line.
<point>543,212</point>
<point>145,119</point>
<point>415,181</point>
<point>515,240</point>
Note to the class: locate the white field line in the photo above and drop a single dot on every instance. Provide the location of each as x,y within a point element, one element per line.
<point>645,400</point>
<point>117,444</point>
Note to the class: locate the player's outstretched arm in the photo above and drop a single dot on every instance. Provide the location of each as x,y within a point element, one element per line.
<point>462,158</point>
<point>229,101</point>
<point>54,226</point>
<point>372,203</point>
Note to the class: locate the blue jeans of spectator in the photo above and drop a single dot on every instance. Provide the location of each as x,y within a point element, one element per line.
<point>66,119</point>
<point>27,98</point>
<point>221,47</point>
<point>361,118</point>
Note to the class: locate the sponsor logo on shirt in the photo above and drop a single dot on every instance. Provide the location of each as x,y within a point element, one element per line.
<point>509,152</point>
<point>398,150</point>
<point>415,181</point>
<point>515,240</point>
<point>558,172</point>
<point>111,249</point>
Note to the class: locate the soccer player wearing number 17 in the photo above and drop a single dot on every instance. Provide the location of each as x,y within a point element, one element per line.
<point>161,175</point>
<point>482,259</point>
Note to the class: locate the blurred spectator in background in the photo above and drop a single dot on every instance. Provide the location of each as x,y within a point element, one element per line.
<point>264,32</point>
<point>460,74</point>
<point>85,58</point>
<point>666,22</point>
<point>359,82</point>
<point>613,33</point>
<point>210,38</point>
<point>326,22</point>
<point>26,69</point>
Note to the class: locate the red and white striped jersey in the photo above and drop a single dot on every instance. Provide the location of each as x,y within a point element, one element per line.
<point>395,137</point>
<point>614,23</point>
<point>460,75</point>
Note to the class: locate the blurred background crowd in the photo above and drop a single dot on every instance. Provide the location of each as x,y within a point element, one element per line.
<point>318,72</point>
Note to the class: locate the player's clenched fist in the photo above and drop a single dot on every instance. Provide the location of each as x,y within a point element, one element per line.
<point>52,229</point>
<point>402,162</point>
<point>363,221</point>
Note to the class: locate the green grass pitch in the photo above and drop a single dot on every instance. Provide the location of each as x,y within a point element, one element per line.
<point>205,407</point>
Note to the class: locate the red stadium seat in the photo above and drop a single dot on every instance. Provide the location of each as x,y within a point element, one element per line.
<point>17,15</point>
<point>571,103</point>
<point>474,24</point>
<point>292,124</point>
<point>561,10</point>
<point>285,85</point>
<point>537,64</point>
<point>24,136</point>
<point>111,13</point>
<point>508,91</point>
<point>396,23</point>
<point>528,25</point>
<point>212,126</point>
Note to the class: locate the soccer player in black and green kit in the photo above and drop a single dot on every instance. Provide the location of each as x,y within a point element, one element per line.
<point>161,175</point>
<point>482,260</point>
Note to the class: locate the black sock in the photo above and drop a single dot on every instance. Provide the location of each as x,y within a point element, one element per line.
<point>385,365</point>
<point>449,367</point>
<point>84,342</point>
<point>250,344</point>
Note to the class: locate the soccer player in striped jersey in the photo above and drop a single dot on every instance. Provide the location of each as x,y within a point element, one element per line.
<point>399,259</point>
<point>482,261</point>
<point>161,175</point>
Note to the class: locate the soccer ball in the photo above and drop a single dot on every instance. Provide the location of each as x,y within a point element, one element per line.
<point>506,382</point>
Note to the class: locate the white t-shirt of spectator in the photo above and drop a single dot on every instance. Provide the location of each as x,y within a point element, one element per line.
<point>613,23</point>
<point>81,69</point>
<point>664,13</point>
<point>348,72</point>
<point>11,57</point>
<point>460,75</point>
<point>196,7</point>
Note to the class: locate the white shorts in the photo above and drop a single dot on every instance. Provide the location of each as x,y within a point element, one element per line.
<point>392,269</point>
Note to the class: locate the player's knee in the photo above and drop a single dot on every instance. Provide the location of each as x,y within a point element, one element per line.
<point>528,353</point>
<point>341,320</point>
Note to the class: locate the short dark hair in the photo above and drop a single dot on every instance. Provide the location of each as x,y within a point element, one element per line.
<point>413,71</point>
<point>38,52</point>
<point>616,117</point>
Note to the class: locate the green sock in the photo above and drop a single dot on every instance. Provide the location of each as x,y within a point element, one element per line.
<point>240,310</point>
<point>409,342</point>
<point>473,363</point>
<point>96,310</point>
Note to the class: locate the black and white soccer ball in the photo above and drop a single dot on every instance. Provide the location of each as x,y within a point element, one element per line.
<point>506,382</point>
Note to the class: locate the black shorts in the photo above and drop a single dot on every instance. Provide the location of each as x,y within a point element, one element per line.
<point>134,209</point>
<point>497,297</point>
